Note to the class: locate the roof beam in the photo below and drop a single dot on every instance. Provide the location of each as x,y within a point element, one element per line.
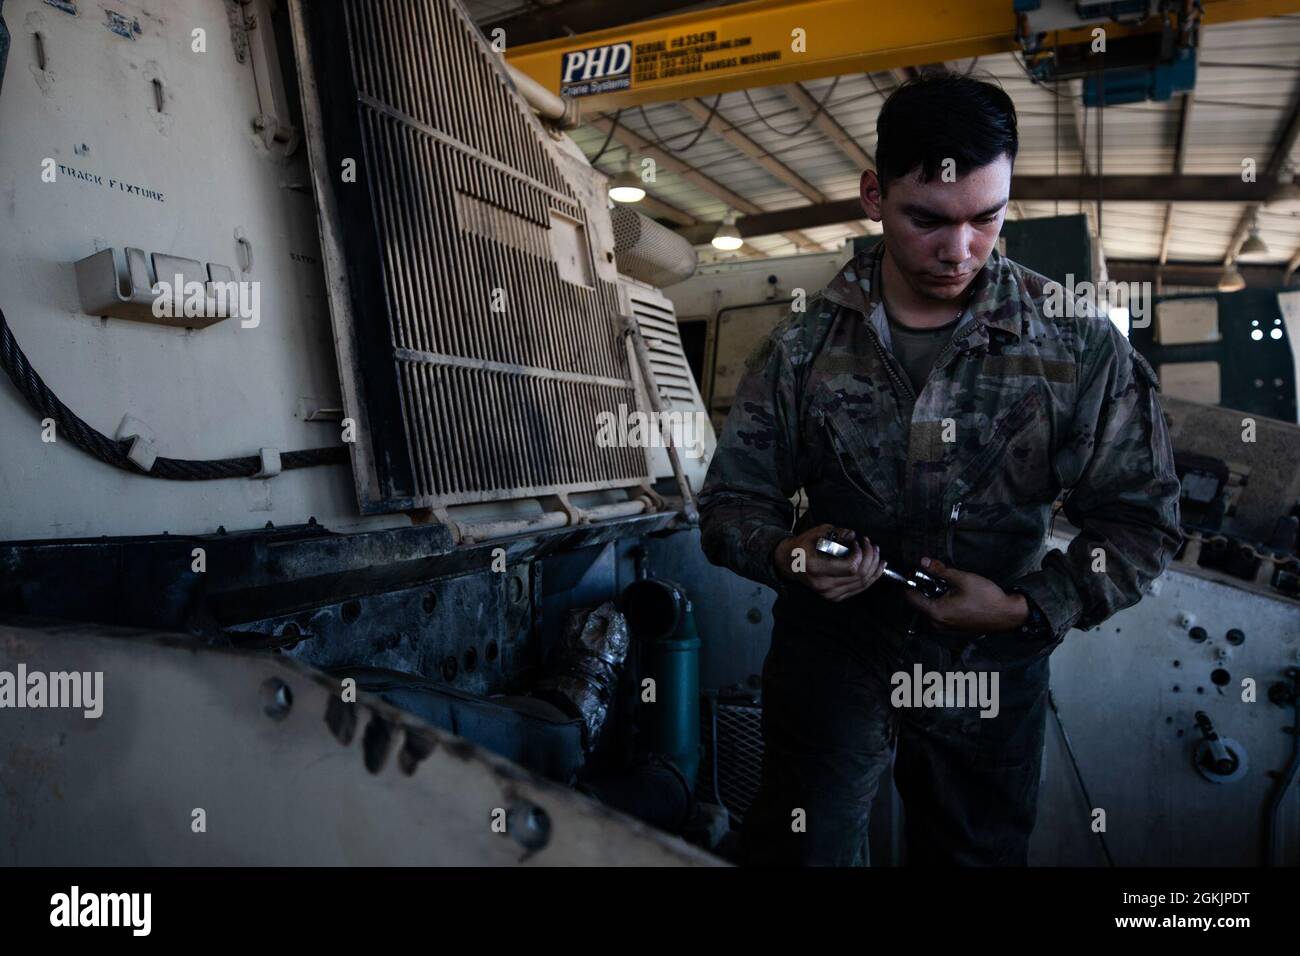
<point>1158,188</point>
<point>1286,141</point>
<point>658,209</point>
<point>828,127</point>
<point>648,205</point>
<point>1192,273</point>
<point>686,171</point>
<point>718,124</point>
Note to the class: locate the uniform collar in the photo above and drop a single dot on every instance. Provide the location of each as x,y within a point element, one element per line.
<point>995,302</point>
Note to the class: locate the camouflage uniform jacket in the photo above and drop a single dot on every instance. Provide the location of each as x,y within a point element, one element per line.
<point>1018,406</point>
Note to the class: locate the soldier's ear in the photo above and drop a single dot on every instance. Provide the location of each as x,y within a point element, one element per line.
<point>872,194</point>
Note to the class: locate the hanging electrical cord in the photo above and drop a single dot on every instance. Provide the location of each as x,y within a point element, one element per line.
<point>663,144</point>
<point>114,452</point>
<point>1101,143</point>
<point>608,138</point>
<point>876,86</point>
<point>817,112</point>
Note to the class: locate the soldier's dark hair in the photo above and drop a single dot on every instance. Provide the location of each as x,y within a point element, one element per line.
<point>942,116</point>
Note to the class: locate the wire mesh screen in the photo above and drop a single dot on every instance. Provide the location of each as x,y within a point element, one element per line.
<point>482,340</point>
<point>731,768</point>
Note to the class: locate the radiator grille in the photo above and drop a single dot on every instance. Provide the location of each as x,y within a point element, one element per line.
<point>486,333</point>
<point>425,60</point>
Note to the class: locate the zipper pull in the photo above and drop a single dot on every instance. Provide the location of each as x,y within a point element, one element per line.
<point>956,510</point>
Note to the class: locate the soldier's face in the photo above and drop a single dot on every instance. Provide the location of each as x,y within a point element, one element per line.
<point>939,233</point>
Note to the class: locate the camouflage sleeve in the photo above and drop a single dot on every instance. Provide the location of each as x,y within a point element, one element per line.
<point>1118,462</point>
<point>745,509</point>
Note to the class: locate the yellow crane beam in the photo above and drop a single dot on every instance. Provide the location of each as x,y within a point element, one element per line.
<point>769,42</point>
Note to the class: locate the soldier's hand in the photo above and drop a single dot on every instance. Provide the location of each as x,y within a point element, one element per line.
<point>973,603</point>
<point>797,560</point>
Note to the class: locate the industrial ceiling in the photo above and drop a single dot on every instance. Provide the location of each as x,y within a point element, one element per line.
<point>769,149</point>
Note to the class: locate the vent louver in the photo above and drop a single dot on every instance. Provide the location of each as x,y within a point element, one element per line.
<point>654,316</point>
<point>673,380</point>
<point>475,305</point>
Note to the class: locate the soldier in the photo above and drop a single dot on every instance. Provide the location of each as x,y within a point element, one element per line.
<point>932,406</point>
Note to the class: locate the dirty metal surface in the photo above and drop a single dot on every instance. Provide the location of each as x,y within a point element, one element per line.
<point>281,769</point>
<point>1129,691</point>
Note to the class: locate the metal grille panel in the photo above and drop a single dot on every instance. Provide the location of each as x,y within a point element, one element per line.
<point>654,316</point>
<point>486,331</point>
<point>733,755</point>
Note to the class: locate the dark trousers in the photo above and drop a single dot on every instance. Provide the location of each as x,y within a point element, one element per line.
<point>969,784</point>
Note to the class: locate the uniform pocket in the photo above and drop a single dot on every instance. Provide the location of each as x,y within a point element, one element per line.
<point>1018,451</point>
<point>998,496</point>
<point>847,464</point>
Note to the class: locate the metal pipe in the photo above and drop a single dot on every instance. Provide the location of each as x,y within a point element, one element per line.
<point>620,509</point>
<point>689,507</point>
<point>560,111</point>
<point>485,530</point>
<point>505,527</point>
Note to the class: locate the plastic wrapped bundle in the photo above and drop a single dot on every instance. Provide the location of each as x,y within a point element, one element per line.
<point>582,673</point>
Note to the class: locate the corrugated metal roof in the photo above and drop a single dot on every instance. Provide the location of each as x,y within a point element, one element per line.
<point>1248,78</point>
